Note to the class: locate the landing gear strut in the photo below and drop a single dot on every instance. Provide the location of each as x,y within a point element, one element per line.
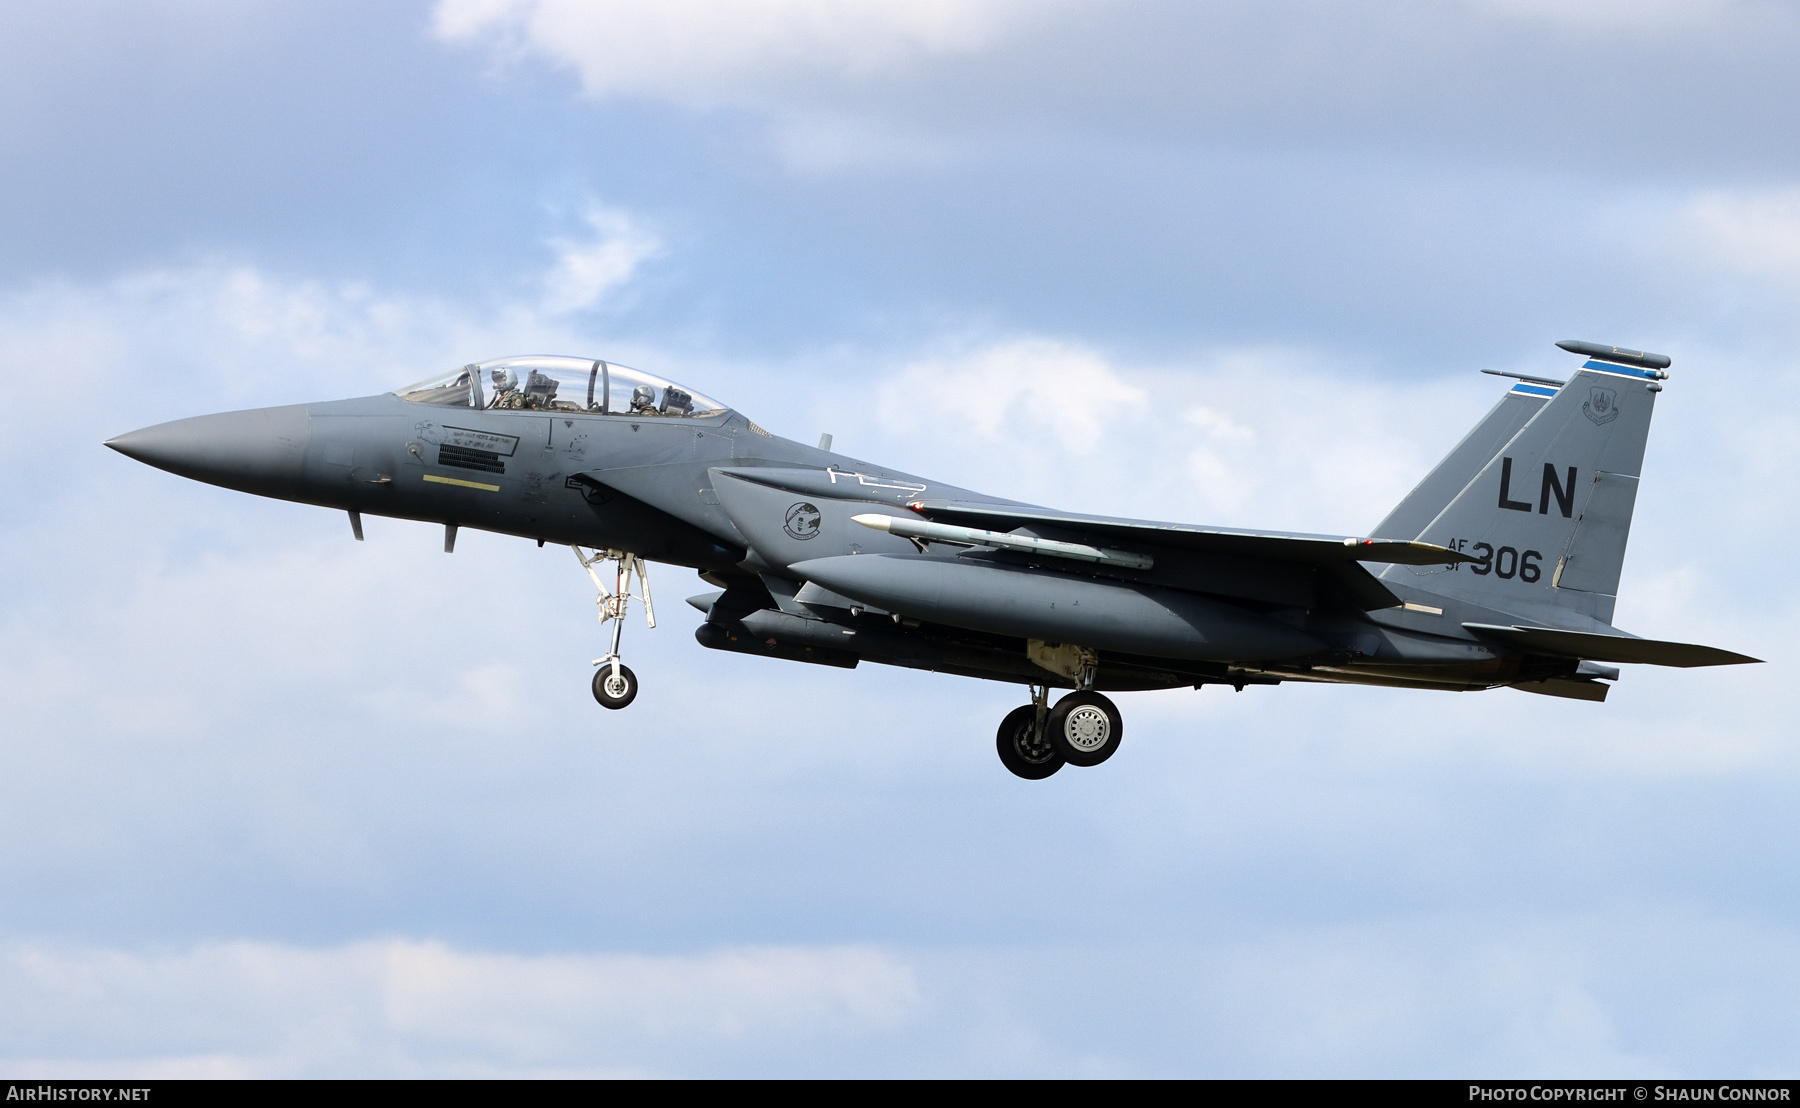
<point>1082,730</point>
<point>615,685</point>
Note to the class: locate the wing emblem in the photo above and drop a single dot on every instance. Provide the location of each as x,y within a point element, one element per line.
<point>1602,405</point>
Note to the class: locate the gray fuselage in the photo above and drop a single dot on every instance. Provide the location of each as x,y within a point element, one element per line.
<point>714,492</point>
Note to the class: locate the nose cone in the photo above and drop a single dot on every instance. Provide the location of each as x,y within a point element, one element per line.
<point>258,451</point>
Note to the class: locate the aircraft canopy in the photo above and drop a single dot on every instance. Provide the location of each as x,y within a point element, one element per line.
<point>559,384</point>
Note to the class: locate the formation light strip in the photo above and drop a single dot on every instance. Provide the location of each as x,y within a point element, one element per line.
<point>460,483</point>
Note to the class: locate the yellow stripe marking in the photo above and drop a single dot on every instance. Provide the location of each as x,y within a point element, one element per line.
<point>435,479</point>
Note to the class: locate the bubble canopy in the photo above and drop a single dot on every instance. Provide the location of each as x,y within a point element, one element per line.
<point>551,383</point>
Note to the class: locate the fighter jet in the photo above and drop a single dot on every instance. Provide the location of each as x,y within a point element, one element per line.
<point>1499,570</point>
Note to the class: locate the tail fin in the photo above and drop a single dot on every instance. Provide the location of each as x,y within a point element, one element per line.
<point>1463,464</point>
<point>1549,514</point>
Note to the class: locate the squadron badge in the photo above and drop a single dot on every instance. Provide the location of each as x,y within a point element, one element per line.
<point>802,521</point>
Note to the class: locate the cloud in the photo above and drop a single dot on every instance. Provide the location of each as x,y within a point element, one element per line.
<point>891,83</point>
<point>1663,992</point>
<point>1632,18</point>
<point>217,335</point>
<point>695,51</point>
<point>821,144</point>
<point>585,272</point>
<point>1226,436</point>
<point>1024,386</point>
<point>403,1007</point>
<point>1756,232</point>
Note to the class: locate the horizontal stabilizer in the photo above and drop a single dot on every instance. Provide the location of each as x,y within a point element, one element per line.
<point>1607,648</point>
<point>1182,536</point>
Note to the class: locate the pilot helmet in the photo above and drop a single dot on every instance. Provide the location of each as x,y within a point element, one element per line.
<point>643,397</point>
<point>505,380</point>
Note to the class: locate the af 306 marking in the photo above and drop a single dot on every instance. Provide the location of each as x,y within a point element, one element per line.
<point>1505,563</point>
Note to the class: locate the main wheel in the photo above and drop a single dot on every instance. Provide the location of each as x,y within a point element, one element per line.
<point>1021,751</point>
<point>615,692</point>
<point>1084,728</point>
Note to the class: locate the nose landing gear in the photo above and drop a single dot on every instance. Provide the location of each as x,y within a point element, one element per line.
<point>1082,730</point>
<point>615,685</point>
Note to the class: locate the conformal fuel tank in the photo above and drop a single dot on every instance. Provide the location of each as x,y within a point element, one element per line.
<point>1059,607</point>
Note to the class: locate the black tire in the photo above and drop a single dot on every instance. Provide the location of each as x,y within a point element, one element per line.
<point>1018,753</point>
<point>1085,728</point>
<point>614,696</point>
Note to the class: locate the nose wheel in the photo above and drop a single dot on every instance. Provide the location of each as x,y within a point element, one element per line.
<point>1036,740</point>
<point>615,686</point>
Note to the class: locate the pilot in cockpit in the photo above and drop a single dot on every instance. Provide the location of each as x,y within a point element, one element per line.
<point>643,401</point>
<point>506,389</point>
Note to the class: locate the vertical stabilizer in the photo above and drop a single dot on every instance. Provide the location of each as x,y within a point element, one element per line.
<point>1463,464</point>
<point>1549,514</point>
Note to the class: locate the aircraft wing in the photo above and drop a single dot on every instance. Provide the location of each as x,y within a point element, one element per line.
<point>1243,543</point>
<point>1607,648</point>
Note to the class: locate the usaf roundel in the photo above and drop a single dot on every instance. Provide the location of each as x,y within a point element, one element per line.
<point>802,521</point>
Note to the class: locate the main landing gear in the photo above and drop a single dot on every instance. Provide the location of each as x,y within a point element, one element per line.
<point>615,685</point>
<point>1036,740</point>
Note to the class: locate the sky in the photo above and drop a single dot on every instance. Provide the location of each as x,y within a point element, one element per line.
<point>277,803</point>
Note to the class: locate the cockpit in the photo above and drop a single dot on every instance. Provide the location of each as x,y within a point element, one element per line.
<point>557,384</point>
